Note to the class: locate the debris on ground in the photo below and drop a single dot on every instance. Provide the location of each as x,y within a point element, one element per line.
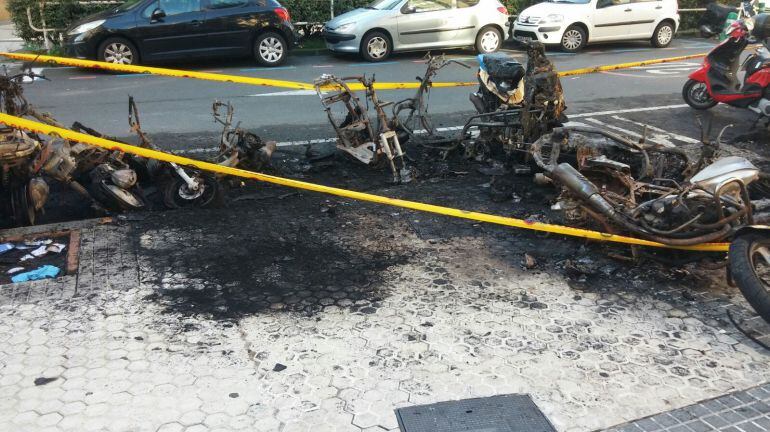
<point>42,272</point>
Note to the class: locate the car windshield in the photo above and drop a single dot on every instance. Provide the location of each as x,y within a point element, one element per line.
<point>130,4</point>
<point>383,4</point>
<point>570,1</point>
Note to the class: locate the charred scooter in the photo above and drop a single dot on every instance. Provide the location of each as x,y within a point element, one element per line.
<point>180,187</point>
<point>371,141</point>
<point>515,105</point>
<point>239,148</point>
<point>716,81</point>
<point>23,192</point>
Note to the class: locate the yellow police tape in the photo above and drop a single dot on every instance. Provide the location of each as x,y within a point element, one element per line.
<point>295,84</point>
<point>209,76</point>
<point>430,208</point>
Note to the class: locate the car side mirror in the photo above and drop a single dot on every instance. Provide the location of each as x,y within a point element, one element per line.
<point>603,4</point>
<point>407,9</point>
<point>157,15</point>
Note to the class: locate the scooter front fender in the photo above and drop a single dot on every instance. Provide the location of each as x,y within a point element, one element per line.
<point>700,74</point>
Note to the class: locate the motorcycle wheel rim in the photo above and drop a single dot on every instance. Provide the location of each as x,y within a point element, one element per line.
<point>699,94</point>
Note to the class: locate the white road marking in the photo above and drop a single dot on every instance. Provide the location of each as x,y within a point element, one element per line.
<point>570,123</point>
<point>677,137</point>
<point>287,93</point>
<point>628,110</point>
<point>656,138</point>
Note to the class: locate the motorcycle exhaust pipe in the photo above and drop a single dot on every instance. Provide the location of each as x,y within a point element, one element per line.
<point>566,175</point>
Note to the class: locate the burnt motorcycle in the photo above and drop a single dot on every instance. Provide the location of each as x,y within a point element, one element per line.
<point>104,177</point>
<point>648,190</point>
<point>371,142</point>
<point>661,194</point>
<point>239,148</point>
<point>515,104</point>
<point>23,191</point>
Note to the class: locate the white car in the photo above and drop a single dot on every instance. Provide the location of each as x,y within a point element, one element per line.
<point>572,24</point>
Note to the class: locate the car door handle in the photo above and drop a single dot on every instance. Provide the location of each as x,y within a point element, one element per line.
<point>658,7</point>
<point>628,10</point>
<point>196,23</point>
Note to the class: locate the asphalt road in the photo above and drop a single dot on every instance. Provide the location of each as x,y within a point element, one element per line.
<point>183,106</point>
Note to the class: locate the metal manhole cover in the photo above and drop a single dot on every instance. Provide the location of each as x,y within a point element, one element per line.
<point>502,413</point>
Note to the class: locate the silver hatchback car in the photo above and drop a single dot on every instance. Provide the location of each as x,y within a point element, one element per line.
<point>403,25</point>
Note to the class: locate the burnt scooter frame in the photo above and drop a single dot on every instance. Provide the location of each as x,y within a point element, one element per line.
<point>417,106</point>
<point>355,133</point>
<point>541,108</point>
<point>721,205</point>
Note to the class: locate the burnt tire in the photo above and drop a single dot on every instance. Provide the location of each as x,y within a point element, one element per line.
<point>695,93</point>
<point>489,40</point>
<point>270,49</point>
<point>743,269</point>
<point>663,35</point>
<point>177,195</point>
<point>573,39</point>
<point>118,50</point>
<point>376,46</point>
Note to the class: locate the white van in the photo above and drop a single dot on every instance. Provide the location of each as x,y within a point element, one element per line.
<point>572,24</point>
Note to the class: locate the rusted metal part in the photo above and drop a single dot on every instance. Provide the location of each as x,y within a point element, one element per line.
<point>355,133</point>
<point>73,253</point>
<point>410,115</point>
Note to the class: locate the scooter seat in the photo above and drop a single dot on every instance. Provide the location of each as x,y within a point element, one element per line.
<point>720,10</point>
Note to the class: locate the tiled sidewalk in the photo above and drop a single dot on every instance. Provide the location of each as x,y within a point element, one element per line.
<point>139,341</point>
<point>744,411</point>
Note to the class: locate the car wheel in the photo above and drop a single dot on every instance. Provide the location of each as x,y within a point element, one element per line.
<point>663,35</point>
<point>376,47</point>
<point>573,39</point>
<point>118,51</point>
<point>270,49</point>
<point>488,40</point>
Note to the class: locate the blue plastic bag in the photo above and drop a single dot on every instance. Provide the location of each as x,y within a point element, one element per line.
<point>46,271</point>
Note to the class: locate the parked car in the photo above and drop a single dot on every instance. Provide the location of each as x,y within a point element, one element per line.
<point>572,24</point>
<point>386,26</point>
<point>149,30</point>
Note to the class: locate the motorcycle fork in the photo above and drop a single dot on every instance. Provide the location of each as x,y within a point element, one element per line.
<point>136,126</point>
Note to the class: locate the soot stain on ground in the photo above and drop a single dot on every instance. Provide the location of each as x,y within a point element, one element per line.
<point>295,258</point>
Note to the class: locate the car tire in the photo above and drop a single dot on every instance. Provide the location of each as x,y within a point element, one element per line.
<point>488,40</point>
<point>376,46</point>
<point>118,50</point>
<point>663,35</point>
<point>573,39</point>
<point>270,49</point>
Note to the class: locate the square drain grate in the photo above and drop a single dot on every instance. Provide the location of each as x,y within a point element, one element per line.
<point>502,413</point>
